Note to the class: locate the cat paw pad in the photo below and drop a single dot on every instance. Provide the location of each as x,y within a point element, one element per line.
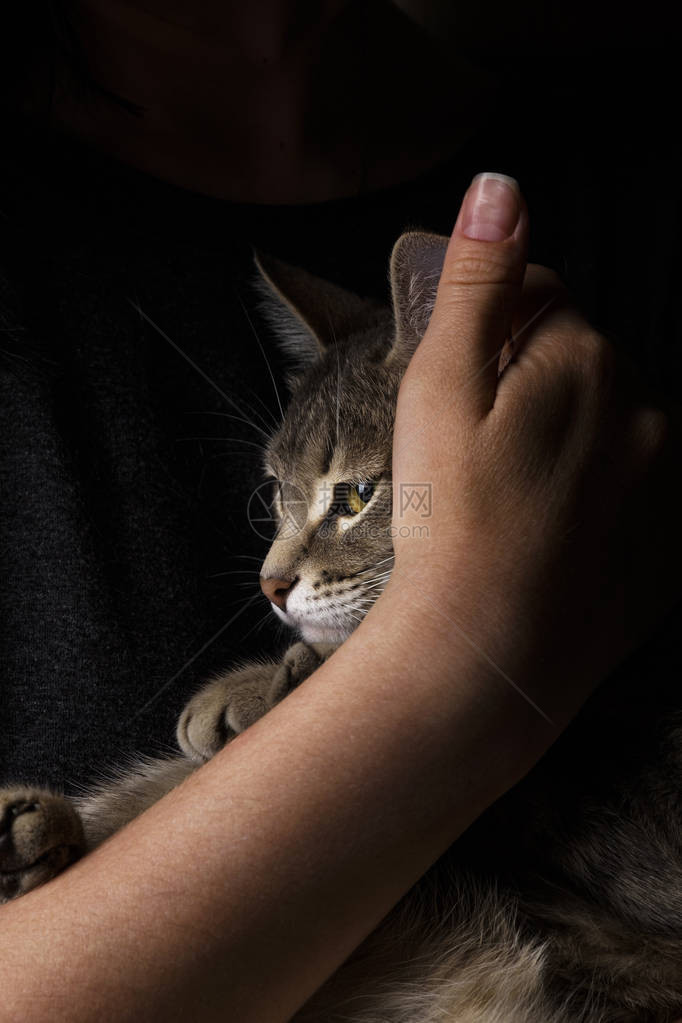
<point>40,834</point>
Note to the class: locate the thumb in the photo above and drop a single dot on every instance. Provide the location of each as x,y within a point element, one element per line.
<point>479,288</point>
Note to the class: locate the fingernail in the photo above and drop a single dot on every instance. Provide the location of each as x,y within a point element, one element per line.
<point>491,208</point>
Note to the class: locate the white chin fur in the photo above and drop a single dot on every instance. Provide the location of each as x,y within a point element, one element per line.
<point>323,634</point>
<point>315,632</point>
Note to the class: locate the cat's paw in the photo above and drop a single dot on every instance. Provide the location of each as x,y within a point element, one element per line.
<point>40,834</point>
<point>229,704</point>
<point>300,661</point>
<point>223,708</point>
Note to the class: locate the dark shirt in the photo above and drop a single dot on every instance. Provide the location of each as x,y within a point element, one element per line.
<point>128,566</point>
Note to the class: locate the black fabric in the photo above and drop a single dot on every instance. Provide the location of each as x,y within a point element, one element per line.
<point>127,558</point>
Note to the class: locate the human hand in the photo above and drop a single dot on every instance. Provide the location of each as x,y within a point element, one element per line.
<point>551,543</point>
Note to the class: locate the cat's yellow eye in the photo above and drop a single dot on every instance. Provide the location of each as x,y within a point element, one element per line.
<point>355,502</point>
<point>359,496</point>
<point>351,498</point>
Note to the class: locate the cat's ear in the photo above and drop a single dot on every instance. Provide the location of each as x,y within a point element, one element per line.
<point>307,314</point>
<point>416,264</point>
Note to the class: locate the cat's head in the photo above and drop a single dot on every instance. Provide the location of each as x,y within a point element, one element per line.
<point>330,460</point>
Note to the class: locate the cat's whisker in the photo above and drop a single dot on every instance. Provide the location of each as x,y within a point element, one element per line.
<point>272,424</point>
<point>377,581</point>
<point>355,618</point>
<point>249,408</point>
<point>250,413</point>
<point>262,350</point>
<point>271,417</point>
<point>231,440</point>
<point>241,599</point>
<point>259,625</point>
<point>386,572</point>
<point>338,386</point>
<point>238,419</point>
<point>144,316</point>
<point>246,603</point>
<point>235,571</point>
<point>224,454</point>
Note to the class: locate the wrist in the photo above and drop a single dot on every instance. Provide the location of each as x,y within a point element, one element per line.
<point>447,677</point>
<point>516,615</point>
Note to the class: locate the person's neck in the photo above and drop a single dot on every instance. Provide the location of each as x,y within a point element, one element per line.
<point>284,101</point>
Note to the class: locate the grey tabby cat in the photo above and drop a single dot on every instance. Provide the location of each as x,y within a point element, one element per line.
<point>564,902</point>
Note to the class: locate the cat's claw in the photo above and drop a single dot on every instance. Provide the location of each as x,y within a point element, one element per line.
<point>229,704</point>
<point>40,834</point>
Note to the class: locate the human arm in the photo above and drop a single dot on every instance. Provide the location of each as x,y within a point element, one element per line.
<point>241,891</point>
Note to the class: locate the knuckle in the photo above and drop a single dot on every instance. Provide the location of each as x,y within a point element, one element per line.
<point>598,355</point>
<point>590,355</point>
<point>471,269</point>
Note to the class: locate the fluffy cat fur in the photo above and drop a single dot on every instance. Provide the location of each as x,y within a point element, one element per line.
<point>563,903</point>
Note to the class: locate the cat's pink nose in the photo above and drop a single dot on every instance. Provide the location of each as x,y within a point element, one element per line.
<point>277,590</point>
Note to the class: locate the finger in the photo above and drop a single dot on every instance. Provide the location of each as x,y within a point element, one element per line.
<point>543,300</point>
<point>479,288</point>
<point>550,335</point>
<point>542,289</point>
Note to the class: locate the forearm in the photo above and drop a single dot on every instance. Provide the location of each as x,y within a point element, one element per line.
<point>213,900</point>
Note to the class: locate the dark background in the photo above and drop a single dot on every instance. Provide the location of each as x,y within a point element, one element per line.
<point>124,541</point>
